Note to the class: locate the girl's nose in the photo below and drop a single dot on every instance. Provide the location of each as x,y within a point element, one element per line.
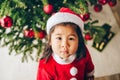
<point>65,44</point>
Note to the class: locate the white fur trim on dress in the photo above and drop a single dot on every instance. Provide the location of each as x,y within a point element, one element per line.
<point>60,17</point>
<point>69,60</point>
<point>73,79</point>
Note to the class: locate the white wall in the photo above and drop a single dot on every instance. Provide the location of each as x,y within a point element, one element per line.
<point>11,67</point>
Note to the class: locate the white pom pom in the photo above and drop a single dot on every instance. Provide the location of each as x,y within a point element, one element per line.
<point>73,79</point>
<point>73,71</point>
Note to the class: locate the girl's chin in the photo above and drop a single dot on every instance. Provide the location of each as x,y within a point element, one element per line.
<point>64,58</point>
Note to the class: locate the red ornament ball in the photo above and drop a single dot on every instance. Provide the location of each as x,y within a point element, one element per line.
<point>102,2</point>
<point>112,2</point>
<point>98,7</point>
<point>88,36</point>
<point>29,33</point>
<point>6,21</point>
<point>85,16</point>
<point>48,9</point>
<point>42,34</point>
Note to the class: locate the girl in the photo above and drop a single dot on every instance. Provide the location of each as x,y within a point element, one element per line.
<point>65,57</point>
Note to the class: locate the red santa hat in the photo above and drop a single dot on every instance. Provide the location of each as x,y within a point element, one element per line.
<point>64,15</point>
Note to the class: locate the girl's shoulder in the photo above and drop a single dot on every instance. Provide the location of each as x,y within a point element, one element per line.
<point>48,61</point>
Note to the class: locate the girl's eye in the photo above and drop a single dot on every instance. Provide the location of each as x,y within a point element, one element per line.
<point>71,38</point>
<point>59,38</point>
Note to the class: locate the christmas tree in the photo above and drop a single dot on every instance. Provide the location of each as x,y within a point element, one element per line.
<point>23,22</point>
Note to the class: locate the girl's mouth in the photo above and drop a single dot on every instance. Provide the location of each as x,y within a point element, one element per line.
<point>66,52</point>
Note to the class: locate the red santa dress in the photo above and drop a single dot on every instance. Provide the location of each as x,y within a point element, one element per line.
<point>72,69</point>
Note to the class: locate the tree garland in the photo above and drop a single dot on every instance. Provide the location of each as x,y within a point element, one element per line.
<point>22,22</point>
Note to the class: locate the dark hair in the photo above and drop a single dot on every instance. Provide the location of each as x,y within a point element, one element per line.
<point>81,52</point>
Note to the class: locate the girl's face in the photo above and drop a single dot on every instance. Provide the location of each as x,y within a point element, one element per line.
<point>64,41</point>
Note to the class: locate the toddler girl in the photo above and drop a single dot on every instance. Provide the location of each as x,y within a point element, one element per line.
<point>65,56</point>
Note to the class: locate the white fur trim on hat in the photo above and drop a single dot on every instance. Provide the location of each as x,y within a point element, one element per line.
<point>60,17</point>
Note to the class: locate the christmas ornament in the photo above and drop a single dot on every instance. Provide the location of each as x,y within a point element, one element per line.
<point>112,2</point>
<point>98,7</point>
<point>85,16</point>
<point>102,2</point>
<point>48,9</point>
<point>88,36</point>
<point>42,34</point>
<point>6,21</point>
<point>29,33</point>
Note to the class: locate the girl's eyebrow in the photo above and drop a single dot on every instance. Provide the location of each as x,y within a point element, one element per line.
<point>58,34</point>
<point>69,34</point>
<point>73,35</point>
